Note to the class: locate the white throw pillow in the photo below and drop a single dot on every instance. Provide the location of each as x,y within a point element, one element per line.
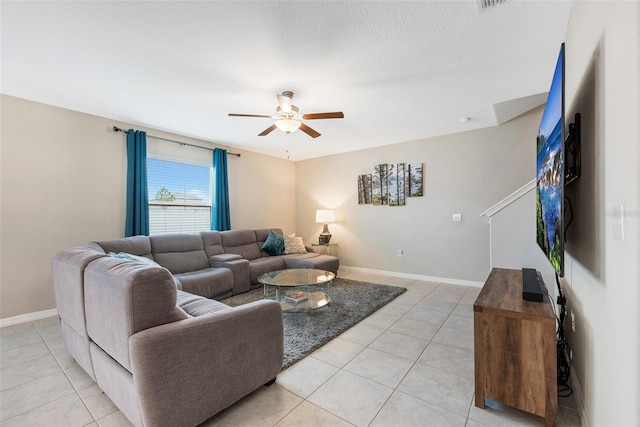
<point>294,245</point>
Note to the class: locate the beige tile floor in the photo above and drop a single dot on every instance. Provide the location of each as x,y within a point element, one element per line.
<point>409,364</point>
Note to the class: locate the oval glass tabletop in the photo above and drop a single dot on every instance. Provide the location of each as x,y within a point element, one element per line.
<point>296,277</point>
<point>295,288</point>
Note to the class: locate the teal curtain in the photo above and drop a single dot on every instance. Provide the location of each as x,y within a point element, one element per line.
<point>220,218</point>
<point>137,208</point>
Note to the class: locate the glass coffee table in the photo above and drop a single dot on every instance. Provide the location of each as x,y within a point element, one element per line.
<point>298,289</point>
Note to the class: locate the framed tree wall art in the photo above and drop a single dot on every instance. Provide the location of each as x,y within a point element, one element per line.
<point>391,184</point>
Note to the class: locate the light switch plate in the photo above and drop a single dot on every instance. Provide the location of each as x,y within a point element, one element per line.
<point>456,217</point>
<point>618,222</point>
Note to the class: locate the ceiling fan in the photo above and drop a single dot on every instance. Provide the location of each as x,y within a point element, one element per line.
<point>289,118</point>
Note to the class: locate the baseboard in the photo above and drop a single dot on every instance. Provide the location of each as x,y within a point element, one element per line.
<point>28,317</point>
<point>445,280</point>
<point>577,394</point>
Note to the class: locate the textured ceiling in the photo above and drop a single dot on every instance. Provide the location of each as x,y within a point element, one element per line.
<point>400,71</point>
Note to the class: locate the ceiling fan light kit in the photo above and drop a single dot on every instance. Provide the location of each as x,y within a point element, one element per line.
<point>289,118</point>
<point>288,125</point>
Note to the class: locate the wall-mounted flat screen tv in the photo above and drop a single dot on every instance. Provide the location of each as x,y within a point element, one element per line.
<point>550,172</point>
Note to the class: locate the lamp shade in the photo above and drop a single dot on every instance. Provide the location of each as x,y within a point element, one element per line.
<point>287,125</point>
<point>324,216</point>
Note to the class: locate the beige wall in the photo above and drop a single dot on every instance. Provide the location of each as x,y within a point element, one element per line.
<point>464,173</point>
<point>63,183</point>
<point>606,345</point>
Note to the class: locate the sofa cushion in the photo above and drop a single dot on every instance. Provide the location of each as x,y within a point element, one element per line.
<point>68,280</point>
<point>312,260</point>
<point>124,297</point>
<point>180,253</point>
<point>195,306</point>
<point>212,243</point>
<point>241,242</point>
<point>143,260</point>
<point>274,245</point>
<point>136,245</point>
<point>265,265</point>
<point>208,282</point>
<point>132,257</point>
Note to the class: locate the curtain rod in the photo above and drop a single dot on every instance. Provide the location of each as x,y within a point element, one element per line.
<point>117,129</point>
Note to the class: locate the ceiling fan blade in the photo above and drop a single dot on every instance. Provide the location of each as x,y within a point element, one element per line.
<point>314,116</point>
<point>267,131</point>
<point>306,129</point>
<point>285,101</point>
<point>250,115</point>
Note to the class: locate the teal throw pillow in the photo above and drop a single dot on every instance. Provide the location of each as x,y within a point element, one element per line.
<point>274,245</point>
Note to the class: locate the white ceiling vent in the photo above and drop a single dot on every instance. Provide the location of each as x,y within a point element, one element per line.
<point>484,5</point>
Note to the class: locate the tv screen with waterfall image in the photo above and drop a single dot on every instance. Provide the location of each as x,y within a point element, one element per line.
<point>550,172</point>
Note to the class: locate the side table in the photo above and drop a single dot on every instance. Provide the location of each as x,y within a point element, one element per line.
<point>326,249</point>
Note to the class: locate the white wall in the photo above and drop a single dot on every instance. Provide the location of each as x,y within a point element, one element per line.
<point>604,300</point>
<point>63,183</point>
<point>463,173</point>
<point>606,345</point>
<point>513,240</point>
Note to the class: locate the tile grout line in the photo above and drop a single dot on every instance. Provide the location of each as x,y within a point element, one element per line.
<point>62,370</point>
<point>414,362</point>
<point>67,376</point>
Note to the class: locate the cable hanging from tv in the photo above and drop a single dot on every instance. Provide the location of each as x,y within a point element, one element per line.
<point>564,360</point>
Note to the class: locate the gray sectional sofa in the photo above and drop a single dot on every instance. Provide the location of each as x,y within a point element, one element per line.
<point>143,326</point>
<point>216,264</point>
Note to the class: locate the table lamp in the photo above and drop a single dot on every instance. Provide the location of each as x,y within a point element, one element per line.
<point>325,216</point>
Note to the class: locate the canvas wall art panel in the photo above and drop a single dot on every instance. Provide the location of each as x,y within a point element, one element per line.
<point>415,179</point>
<point>380,183</point>
<point>364,189</point>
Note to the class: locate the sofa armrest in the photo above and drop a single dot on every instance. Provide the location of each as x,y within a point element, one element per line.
<point>238,266</point>
<point>224,257</point>
<point>184,372</point>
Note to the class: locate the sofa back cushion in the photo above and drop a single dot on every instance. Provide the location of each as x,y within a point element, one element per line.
<point>136,245</point>
<point>123,297</point>
<point>180,253</point>
<point>68,284</point>
<point>241,242</point>
<point>212,243</point>
<point>263,234</point>
<point>68,269</point>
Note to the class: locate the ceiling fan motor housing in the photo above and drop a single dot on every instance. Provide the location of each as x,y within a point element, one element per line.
<point>294,114</point>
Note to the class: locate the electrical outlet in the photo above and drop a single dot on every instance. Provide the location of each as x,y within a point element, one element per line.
<point>400,253</point>
<point>573,322</point>
<point>456,217</point>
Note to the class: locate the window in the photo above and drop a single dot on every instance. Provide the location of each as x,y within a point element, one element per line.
<point>179,196</point>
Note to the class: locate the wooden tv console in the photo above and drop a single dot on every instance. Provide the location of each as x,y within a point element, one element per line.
<point>515,347</point>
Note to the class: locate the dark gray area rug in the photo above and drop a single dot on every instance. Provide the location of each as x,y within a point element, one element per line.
<point>304,332</point>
